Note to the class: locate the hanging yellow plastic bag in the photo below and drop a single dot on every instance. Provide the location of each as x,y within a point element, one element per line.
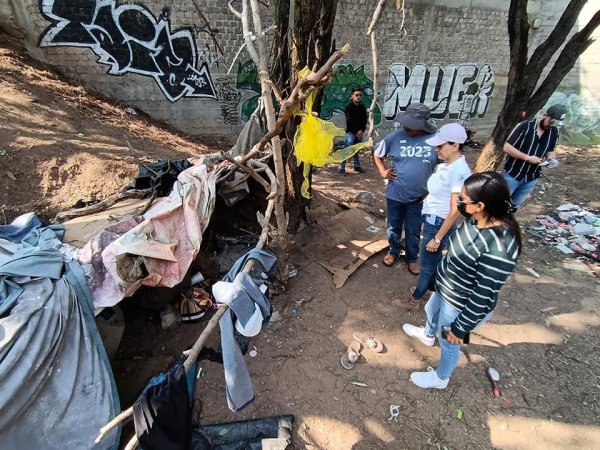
<point>314,142</point>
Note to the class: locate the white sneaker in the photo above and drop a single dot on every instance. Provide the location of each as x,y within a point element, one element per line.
<point>419,333</point>
<point>428,380</point>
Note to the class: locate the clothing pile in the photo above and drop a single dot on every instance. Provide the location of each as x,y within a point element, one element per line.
<point>573,230</point>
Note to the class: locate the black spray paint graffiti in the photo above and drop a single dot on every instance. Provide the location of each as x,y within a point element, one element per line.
<point>230,99</point>
<point>461,92</point>
<point>129,39</point>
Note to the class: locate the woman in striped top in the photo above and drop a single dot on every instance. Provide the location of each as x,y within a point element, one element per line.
<point>481,255</point>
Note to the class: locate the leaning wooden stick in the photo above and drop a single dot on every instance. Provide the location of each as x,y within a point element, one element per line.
<point>194,352</point>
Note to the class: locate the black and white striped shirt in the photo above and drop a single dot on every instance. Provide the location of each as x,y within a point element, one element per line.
<point>473,271</point>
<point>525,139</point>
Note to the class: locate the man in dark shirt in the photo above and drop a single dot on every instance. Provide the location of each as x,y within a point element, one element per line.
<point>530,146</point>
<point>356,123</point>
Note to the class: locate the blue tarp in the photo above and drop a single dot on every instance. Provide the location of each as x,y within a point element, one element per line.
<point>57,384</point>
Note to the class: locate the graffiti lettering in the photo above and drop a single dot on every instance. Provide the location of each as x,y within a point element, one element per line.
<point>230,99</point>
<point>129,39</point>
<point>460,92</point>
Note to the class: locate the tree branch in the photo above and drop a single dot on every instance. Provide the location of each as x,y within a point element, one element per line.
<point>578,43</point>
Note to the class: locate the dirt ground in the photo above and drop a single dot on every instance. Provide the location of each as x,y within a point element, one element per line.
<point>58,145</point>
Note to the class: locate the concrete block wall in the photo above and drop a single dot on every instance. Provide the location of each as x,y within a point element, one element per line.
<point>160,57</point>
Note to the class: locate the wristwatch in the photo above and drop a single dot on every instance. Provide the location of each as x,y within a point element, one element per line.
<point>436,240</point>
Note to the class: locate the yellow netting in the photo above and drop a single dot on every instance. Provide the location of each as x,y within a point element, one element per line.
<point>314,141</point>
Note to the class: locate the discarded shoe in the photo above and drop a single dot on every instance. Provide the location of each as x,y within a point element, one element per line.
<point>419,333</point>
<point>350,355</point>
<point>368,341</point>
<point>359,170</point>
<point>428,380</point>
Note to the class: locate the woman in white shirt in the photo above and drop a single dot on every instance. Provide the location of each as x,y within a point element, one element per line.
<point>439,208</point>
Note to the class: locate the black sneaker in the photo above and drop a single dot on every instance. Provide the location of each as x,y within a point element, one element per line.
<point>359,170</point>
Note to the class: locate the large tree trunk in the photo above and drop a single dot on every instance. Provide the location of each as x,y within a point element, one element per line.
<point>311,46</point>
<point>522,99</point>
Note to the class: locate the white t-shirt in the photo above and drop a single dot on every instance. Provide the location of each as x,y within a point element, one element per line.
<point>447,180</point>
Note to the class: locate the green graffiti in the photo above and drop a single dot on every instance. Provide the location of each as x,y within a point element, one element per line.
<point>247,78</point>
<point>582,123</point>
<point>335,96</point>
<point>337,92</point>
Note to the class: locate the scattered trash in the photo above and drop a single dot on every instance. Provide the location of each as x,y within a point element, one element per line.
<point>2,152</point>
<point>459,414</point>
<point>292,271</point>
<point>381,211</point>
<point>11,176</point>
<point>131,111</point>
<point>494,376</point>
<point>359,383</point>
<point>168,317</point>
<point>253,353</point>
<point>294,312</point>
<point>532,272</point>
<point>197,278</point>
<point>574,230</point>
<point>505,402</point>
<point>366,198</point>
<point>373,229</point>
<point>223,431</point>
<point>563,248</point>
<point>370,219</point>
<point>394,413</point>
<point>575,264</point>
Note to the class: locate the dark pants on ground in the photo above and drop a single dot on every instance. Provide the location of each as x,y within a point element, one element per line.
<point>407,216</point>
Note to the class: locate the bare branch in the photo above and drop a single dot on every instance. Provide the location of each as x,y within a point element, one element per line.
<point>247,169</point>
<point>235,12</point>
<point>376,16</point>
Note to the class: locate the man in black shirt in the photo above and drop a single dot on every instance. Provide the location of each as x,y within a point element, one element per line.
<point>530,146</point>
<point>356,123</point>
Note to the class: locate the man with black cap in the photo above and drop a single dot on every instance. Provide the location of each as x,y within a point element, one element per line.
<point>529,147</point>
<point>412,162</point>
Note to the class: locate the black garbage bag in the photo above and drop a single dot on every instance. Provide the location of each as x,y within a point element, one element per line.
<point>160,176</point>
<point>268,433</point>
<point>162,414</point>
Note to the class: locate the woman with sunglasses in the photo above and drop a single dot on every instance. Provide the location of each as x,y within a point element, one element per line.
<point>439,208</point>
<point>481,254</point>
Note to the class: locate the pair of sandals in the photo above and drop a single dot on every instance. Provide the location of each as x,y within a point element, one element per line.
<point>352,353</point>
<point>389,260</point>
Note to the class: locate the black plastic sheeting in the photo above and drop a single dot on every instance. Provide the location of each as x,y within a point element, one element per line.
<point>268,433</point>
<point>160,176</point>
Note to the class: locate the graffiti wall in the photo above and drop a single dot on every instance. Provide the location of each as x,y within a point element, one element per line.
<point>582,124</point>
<point>130,39</point>
<point>460,92</point>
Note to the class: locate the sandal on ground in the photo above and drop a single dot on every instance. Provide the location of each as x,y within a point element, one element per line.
<point>368,341</point>
<point>413,268</point>
<point>350,355</point>
<point>389,260</point>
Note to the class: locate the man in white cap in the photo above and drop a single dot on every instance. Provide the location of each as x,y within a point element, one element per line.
<point>412,163</point>
<point>529,147</point>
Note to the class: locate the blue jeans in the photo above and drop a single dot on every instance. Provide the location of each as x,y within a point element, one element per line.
<point>519,190</point>
<point>350,140</point>
<point>407,216</point>
<point>441,314</point>
<point>429,261</point>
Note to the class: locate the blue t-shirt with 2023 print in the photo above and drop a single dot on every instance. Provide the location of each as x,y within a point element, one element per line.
<point>413,160</point>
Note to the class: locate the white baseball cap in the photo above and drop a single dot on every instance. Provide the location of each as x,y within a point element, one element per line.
<point>254,324</point>
<point>451,132</point>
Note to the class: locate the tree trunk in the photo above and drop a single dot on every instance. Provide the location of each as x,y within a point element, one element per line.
<point>311,46</point>
<point>522,100</point>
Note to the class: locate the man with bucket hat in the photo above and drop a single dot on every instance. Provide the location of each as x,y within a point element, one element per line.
<point>530,147</point>
<point>412,162</point>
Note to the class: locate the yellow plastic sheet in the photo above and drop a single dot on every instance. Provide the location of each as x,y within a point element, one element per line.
<point>314,142</point>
